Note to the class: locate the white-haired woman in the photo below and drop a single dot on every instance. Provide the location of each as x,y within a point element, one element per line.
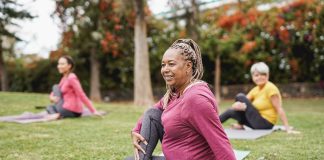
<point>260,108</point>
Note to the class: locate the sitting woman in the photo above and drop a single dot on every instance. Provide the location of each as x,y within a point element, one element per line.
<point>260,108</point>
<point>185,120</point>
<point>68,96</point>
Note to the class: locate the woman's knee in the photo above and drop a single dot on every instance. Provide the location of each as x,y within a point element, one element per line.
<point>231,112</point>
<point>240,97</point>
<point>56,90</point>
<point>153,112</point>
<point>228,113</point>
<point>55,87</point>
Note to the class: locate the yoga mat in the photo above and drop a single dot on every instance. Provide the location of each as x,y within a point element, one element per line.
<point>250,134</point>
<point>274,128</point>
<point>247,134</point>
<point>240,155</point>
<point>29,117</point>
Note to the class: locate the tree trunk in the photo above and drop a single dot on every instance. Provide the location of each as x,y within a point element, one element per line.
<point>142,84</point>
<point>239,4</point>
<point>218,78</point>
<point>95,94</point>
<point>193,20</point>
<point>3,71</point>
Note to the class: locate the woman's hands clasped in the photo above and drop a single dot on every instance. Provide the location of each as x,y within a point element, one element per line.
<point>239,106</point>
<point>54,99</point>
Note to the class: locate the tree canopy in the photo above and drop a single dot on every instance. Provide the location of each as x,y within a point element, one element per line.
<point>287,36</point>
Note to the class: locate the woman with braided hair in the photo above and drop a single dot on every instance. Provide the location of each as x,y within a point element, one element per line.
<point>186,119</point>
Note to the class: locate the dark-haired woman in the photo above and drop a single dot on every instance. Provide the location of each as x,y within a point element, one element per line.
<point>68,96</point>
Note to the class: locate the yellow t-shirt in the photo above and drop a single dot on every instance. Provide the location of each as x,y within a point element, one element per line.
<point>261,100</point>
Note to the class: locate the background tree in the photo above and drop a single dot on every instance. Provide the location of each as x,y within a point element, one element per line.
<point>249,31</point>
<point>318,42</point>
<point>221,38</point>
<point>191,16</point>
<point>289,38</point>
<point>91,28</point>
<point>142,82</point>
<point>10,12</point>
<point>285,38</point>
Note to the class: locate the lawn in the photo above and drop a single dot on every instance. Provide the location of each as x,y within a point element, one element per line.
<point>109,137</point>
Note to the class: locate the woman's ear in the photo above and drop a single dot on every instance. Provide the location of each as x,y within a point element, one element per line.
<point>70,67</point>
<point>189,65</point>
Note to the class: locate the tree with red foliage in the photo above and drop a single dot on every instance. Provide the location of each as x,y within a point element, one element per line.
<point>94,28</point>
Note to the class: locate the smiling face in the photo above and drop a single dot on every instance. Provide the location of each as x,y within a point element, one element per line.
<point>63,66</point>
<point>260,79</point>
<point>175,70</point>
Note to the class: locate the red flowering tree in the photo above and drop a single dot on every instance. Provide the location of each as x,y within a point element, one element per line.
<point>226,35</point>
<point>287,37</point>
<point>92,28</point>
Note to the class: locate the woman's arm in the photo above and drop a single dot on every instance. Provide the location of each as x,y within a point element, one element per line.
<point>202,116</point>
<point>276,102</point>
<point>75,83</point>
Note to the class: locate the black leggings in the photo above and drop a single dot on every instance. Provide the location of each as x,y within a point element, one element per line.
<point>152,130</point>
<point>58,107</point>
<point>250,117</point>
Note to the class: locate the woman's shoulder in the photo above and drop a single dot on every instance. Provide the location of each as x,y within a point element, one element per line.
<point>198,91</point>
<point>198,87</point>
<point>72,76</point>
<point>271,85</point>
<point>199,98</point>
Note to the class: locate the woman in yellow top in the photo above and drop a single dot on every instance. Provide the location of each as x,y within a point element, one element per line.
<point>260,108</point>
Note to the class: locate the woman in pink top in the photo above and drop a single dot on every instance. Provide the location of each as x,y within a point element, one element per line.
<point>68,97</point>
<point>185,120</point>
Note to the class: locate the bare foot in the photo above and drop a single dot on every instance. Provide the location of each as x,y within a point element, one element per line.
<point>237,126</point>
<point>53,116</point>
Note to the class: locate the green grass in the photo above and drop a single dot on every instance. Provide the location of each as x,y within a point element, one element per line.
<point>109,138</point>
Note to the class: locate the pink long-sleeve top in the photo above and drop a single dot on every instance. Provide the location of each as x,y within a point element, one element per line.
<point>192,127</point>
<point>73,94</point>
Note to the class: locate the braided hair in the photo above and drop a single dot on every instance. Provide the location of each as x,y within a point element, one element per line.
<point>191,52</point>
